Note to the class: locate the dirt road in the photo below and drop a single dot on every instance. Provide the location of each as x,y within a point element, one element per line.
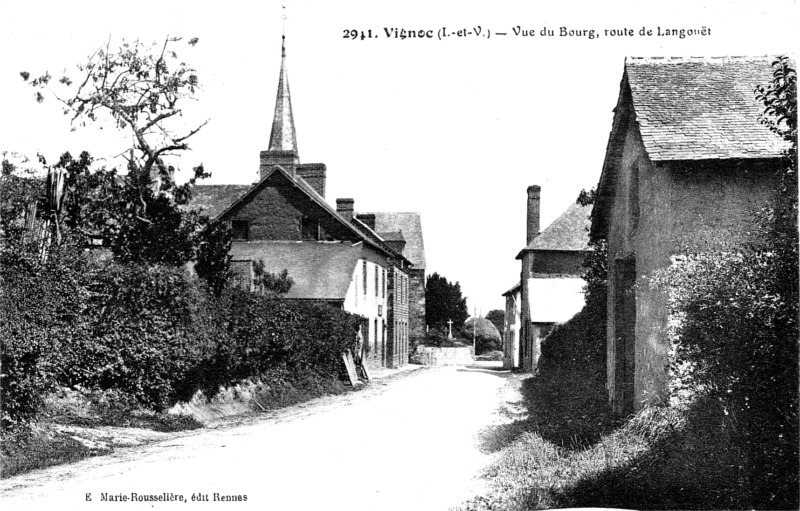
<point>406,442</point>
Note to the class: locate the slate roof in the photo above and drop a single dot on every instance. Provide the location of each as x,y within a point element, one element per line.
<point>568,232</point>
<point>410,225</point>
<point>320,270</point>
<point>214,199</point>
<point>513,289</point>
<point>392,236</point>
<point>701,108</point>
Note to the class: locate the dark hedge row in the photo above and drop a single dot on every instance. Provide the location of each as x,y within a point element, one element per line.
<point>154,333</point>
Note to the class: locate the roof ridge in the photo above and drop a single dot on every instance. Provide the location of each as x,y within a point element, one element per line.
<point>695,58</point>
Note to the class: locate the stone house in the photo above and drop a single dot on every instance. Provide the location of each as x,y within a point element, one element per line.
<point>285,222</point>
<point>687,163</point>
<point>403,233</point>
<point>550,290</point>
<point>511,323</point>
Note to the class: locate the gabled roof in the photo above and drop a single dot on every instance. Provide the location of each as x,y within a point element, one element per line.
<point>568,232</point>
<point>701,108</point>
<point>688,109</point>
<point>320,270</point>
<point>377,238</point>
<point>214,198</point>
<point>410,225</point>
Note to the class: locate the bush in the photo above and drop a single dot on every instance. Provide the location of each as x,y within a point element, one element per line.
<point>438,338</point>
<point>148,329</point>
<point>733,326</point>
<point>41,315</point>
<point>155,334</point>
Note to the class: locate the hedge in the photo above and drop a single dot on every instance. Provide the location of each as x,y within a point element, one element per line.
<point>155,333</point>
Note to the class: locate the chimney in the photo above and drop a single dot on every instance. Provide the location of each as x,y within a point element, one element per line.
<point>314,175</point>
<point>345,207</point>
<point>534,194</point>
<point>367,219</point>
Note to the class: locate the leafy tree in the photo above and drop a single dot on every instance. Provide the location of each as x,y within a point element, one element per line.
<point>498,319</point>
<point>443,302</point>
<point>271,284</point>
<point>142,89</point>
<point>213,256</point>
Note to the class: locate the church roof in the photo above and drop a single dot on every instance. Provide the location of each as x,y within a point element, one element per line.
<point>568,232</point>
<point>701,108</point>
<point>283,136</point>
<point>320,270</point>
<point>410,225</point>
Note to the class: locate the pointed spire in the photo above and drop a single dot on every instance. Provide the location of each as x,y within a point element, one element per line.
<point>283,137</point>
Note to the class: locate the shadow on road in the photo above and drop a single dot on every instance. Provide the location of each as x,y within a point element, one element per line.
<point>566,408</point>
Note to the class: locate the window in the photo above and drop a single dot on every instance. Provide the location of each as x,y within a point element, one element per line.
<point>377,278</point>
<point>364,274</point>
<point>240,230</point>
<point>309,229</point>
<point>383,284</point>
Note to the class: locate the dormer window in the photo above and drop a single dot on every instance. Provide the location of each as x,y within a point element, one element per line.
<point>240,230</point>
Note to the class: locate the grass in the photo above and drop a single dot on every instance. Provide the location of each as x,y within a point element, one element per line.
<point>26,451</point>
<point>565,449</point>
<point>43,445</point>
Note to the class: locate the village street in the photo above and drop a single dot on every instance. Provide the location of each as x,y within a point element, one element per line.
<point>408,441</point>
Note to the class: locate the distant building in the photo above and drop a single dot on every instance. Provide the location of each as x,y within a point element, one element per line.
<point>550,290</point>
<point>403,233</point>
<point>687,162</point>
<point>284,221</point>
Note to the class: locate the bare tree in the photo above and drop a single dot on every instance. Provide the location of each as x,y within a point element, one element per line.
<point>143,89</point>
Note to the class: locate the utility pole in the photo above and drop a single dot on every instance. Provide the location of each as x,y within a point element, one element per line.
<point>474,331</point>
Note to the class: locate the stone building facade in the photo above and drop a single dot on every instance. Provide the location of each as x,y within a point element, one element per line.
<point>403,232</point>
<point>686,165</point>
<point>284,222</point>
<point>550,290</point>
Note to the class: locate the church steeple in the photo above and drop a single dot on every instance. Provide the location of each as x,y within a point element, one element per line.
<point>283,136</point>
<point>282,140</point>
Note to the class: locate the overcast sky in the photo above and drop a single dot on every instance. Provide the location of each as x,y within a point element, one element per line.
<point>455,128</point>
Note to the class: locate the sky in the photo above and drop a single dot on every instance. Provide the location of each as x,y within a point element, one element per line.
<point>455,128</point>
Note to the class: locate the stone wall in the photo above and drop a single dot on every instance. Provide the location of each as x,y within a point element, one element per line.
<point>557,262</point>
<point>276,211</point>
<point>660,210</point>
<point>426,355</point>
<point>397,320</point>
<point>416,305</point>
